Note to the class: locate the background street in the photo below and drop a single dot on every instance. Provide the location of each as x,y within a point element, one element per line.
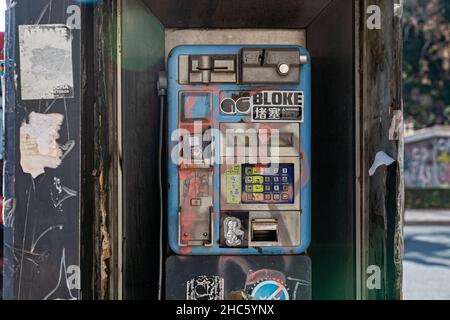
<point>426,268</point>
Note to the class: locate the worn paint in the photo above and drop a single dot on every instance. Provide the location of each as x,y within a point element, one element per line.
<point>38,143</point>
<point>380,120</point>
<point>105,254</point>
<point>42,152</point>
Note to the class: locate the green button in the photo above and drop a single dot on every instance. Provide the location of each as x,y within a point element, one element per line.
<point>258,179</point>
<point>258,188</point>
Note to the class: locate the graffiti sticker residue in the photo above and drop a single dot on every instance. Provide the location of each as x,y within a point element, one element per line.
<point>233,232</point>
<point>46,70</point>
<point>38,143</point>
<point>233,184</point>
<point>205,288</point>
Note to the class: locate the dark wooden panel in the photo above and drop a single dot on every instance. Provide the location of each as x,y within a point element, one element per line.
<point>330,41</point>
<point>236,13</point>
<point>143,58</point>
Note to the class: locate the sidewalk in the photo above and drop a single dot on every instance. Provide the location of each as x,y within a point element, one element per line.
<point>427,217</point>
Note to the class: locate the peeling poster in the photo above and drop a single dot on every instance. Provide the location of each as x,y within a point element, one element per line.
<point>38,143</point>
<point>46,70</point>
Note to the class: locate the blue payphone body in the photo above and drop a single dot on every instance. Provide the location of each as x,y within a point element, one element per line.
<point>239,152</point>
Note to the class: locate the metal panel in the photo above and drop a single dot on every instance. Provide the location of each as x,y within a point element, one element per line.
<point>196,201</point>
<point>283,129</point>
<point>238,278</point>
<point>286,225</point>
<point>224,35</point>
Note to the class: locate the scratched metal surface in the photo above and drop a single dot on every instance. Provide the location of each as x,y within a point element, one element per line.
<point>42,218</point>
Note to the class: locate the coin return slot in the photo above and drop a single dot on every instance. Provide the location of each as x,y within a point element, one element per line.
<point>264,230</point>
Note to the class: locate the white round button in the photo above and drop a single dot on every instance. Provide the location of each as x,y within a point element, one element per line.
<point>283,68</point>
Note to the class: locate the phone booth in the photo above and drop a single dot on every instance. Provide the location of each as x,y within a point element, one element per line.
<point>243,174</point>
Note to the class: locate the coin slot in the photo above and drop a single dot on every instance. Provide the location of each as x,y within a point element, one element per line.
<point>264,230</point>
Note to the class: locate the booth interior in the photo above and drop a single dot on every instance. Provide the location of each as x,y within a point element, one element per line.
<point>151,28</point>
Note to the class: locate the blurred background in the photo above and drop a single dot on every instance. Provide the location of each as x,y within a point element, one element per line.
<point>426,79</point>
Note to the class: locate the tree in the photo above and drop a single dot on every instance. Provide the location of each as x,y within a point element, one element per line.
<point>426,70</point>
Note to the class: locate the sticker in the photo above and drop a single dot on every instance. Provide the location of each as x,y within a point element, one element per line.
<point>205,288</point>
<point>235,102</point>
<point>233,184</point>
<point>267,284</point>
<point>270,290</point>
<point>46,70</point>
<point>277,106</point>
<point>233,232</point>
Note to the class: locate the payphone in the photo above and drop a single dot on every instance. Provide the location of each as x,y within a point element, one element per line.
<point>239,150</point>
<point>239,159</point>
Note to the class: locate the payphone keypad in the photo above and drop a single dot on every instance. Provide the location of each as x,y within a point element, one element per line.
<point>271,184</point>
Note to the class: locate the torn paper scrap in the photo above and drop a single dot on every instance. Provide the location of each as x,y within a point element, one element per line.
<point>38,143</point>
<point>46,70</point>
<point>381,158</point>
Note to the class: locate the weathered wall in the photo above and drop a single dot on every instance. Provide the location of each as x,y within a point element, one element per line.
<point>382,194</point>
<point>42,161</point>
